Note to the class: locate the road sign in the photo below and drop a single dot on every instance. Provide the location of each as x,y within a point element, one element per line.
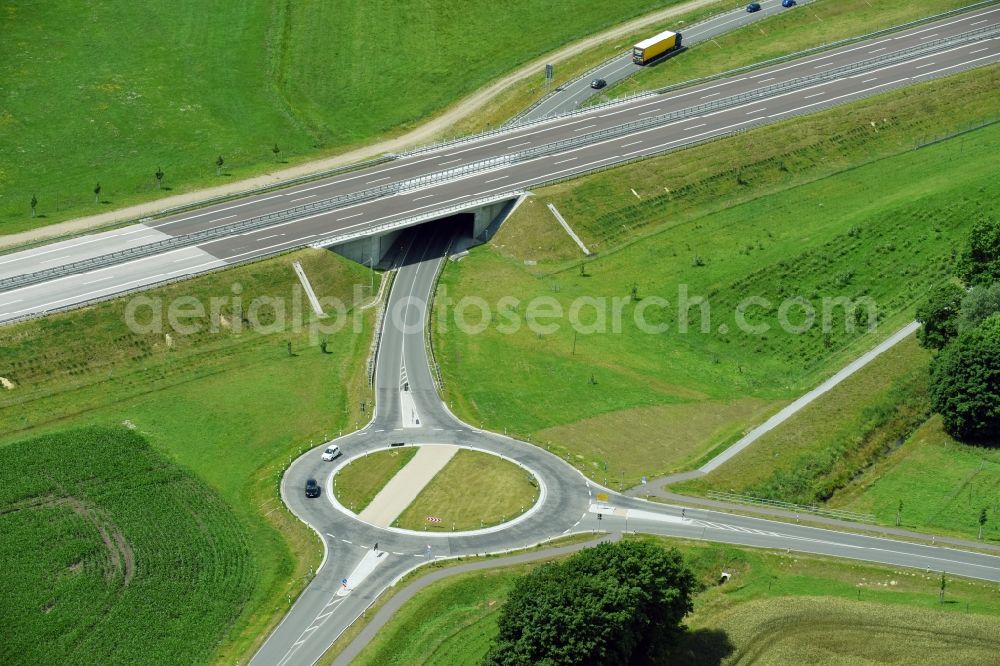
<point>602,497</point>
<point>548,72</point>
<point>644,480</point>
<point>433,519</point>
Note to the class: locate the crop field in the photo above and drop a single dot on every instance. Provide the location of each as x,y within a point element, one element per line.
<point>473,490</point>
<point>237,80</point>
<point>356,485</point>
<point>813,605</point>
<point>821,22</point>
<point>805,214</point>
<point>231,405</point>
<point>107,549</point>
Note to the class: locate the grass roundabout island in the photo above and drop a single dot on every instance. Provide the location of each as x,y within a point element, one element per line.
<point>435,488</point>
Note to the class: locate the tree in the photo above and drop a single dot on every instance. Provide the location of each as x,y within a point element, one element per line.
<point>276,151</point>
<point>34,204</point>
<point>982,522</point>
<point>899,513</point>
<point>981,302</point>
<point>97,193</point>
<point>939,315</point>
<point>980,263</point>
<point>944,584</point>
<point>218,165</point>
<point>965,382</point>
<point>159,177</point>
<point>612,604</point>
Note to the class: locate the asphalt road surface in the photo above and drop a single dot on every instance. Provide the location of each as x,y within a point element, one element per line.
<point>596,152</point>
<point>568,502</point>
<point>571,95</point>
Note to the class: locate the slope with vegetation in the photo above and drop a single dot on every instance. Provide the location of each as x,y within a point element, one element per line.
<point>230,404</point>
<point>836,204</point>
<point>109,94</point>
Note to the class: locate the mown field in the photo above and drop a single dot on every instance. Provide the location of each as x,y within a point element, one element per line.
<point>112,554</point>
<point>471,491</point>
<point>356,485</point>
<point>834,205</point>
<point>107,93</point>
<point>807,26</point>
<point>232,407</point>
<point>775,608</point>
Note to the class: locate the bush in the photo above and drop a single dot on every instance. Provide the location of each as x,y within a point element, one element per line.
<point>980,263</point>
<point>613,604</point>
<point>939,316</point>
<point>965,382</point>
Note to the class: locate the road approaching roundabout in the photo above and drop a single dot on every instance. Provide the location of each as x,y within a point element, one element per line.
<point>363,558</point>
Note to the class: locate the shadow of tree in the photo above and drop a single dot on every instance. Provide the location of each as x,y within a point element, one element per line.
<point>701,647</point>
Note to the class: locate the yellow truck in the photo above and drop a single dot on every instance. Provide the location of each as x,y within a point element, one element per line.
<point>656,46</point>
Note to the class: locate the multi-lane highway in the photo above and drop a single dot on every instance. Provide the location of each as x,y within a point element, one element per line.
<point>498,164</point>
<point>569,503</point>
<point>571,95</point>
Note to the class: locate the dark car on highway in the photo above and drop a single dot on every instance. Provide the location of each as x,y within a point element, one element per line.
<point>312,488</point>
<point>597,84</point>
<point>753,7</point>
<point>787,3</point>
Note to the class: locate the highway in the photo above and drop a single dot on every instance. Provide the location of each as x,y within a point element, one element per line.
<point>497,164</point>
<point>568,502</point>
<point>571,95</point>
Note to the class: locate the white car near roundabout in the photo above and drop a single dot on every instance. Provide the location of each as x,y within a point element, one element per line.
<point>331,453</point>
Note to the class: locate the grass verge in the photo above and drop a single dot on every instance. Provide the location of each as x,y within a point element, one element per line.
<point>454,620</point>
<point>226,402</point>
<point>808,26</point>
<point>811,209</point>
<point>473,490</point>
<point>358,483</point>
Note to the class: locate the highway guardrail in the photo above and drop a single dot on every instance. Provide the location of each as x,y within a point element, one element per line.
<point>788,506</point>
<point>326,205</point>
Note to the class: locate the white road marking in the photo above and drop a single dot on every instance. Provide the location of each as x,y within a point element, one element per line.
<point>517,145</point>
<point>878,50</point>
<point>712,95</point>
<point>874,78</point>
<point>266,237</point>
<point>457,159</point>
<point>426,196</point>
<point>755,111</point>
<point>926,64</point>
<point>12,302</point>
<point>814,95</point>
<point>378,180</point>
<point>626,145</point>
<point>348,217</point>
<point>495,179</point>
<point>580,129</point>
<point>646,113</point>
<point>308,196</point>
<point>566,160</point>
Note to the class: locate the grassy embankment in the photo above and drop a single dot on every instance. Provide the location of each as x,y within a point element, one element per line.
<point>313,78</point>
<point>104,538</point>
<point>814,208</point>
<point>775,608</point>
<point>865,446</point>
<point>473,490</point>
<point>358,483</point>
<point>521,95</point>
<point>231,407</point>
<point>818,23</point>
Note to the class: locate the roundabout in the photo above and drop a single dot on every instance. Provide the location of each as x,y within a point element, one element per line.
<point>433,490</point>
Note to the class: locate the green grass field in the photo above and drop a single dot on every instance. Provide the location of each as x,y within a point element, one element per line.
<point>473,490</point>
<point>864,446</point>
<point>771,595</point>
<point>356,485</point>
<point>104,538</point>
<point>233,408</point>
<point>821,22</point>
<point>236,80</point>
<point>812,209</point>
